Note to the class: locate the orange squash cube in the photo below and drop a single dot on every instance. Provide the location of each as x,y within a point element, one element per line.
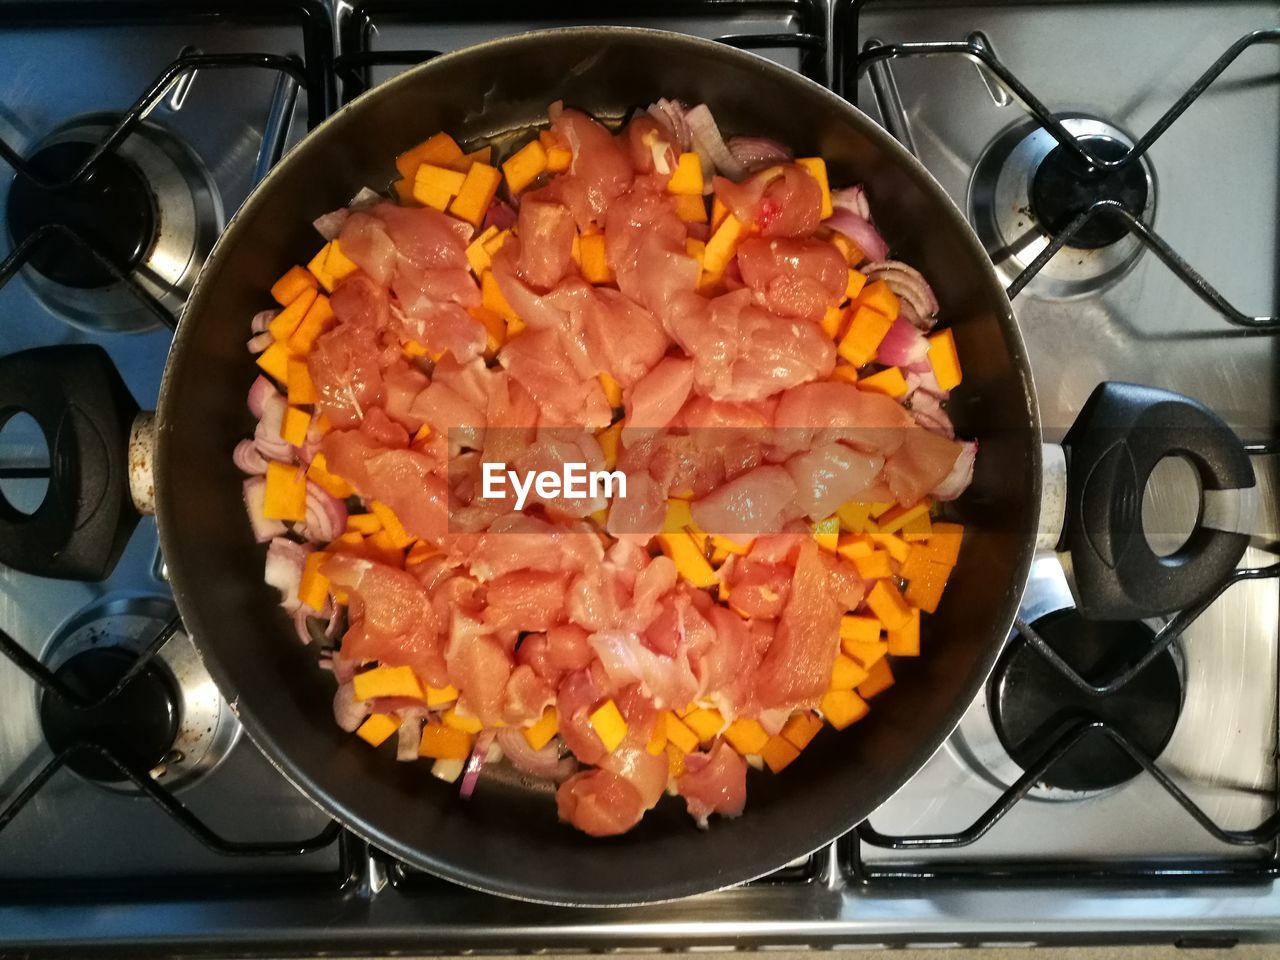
<point>801,728</point>
<point>889,381</point>
<point>476,193</point>
<point>286,321</point>
<point>944,359</point>
<point>778,753</point>
<point>888,605</point>
<point>906,642</point>
<point>440,150</point>
<point>880,298</point>
<point>842,708</point>
<point>879,679</point>
<point>867,328</point>
<point>817,168</point>
<point>525,165</point>
<point>289,287</point>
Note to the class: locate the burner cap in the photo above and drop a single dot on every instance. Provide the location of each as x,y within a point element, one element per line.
<point>1061,191</point>
<point>1032,704</point>
<point>113,209</point>
<point>138,725</point>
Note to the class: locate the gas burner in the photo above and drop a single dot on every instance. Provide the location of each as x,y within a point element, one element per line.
<point>1028,704</point>
<point>168,721</point>
<point>1026,188</point>
<point>149,207</point>
<point>1032,704</point>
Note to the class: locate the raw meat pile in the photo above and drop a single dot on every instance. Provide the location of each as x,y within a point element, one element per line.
<point>707,317</point>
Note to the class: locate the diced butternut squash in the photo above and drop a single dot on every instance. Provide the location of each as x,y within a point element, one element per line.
<point>435,186</point>
<point>686,179</point>
<point>337,264</point>
<point>746,736</point>
<point>477,255</point>
<point>859,629</point>
<point>842,708</point>
<point>404,191</point>
<point>853,546</point>
<point>478,188</point>
<point>874,566</point>
<point>845,373</point>
<point>285,497</point>
<point>494,243</point>
<point>595,265</point>
<point>706,722</point>
<point>608,723</point>
<point>879,679</point>
<point>719,210</point>
<point>865,654</point>
<point>832,323</point>
<point>856,282</point>
<point>880,509</point>
<point>696,249</point>
<point>890,543</point>
<point>888,605</point>
<point>675,762</point>
<point>723,245</point>
<point>826,533</point>
<point>679,735</point>
<point>880,298</point>
<point>846,673</point>
<point>413,350</point>
<point>558,158</point>
<point>924,589</point>
<point>491,295</point>
<point>525,165</point>
<point>387,682</point>
<point>316,267</point>
<point>852,255</point>
<point>314,586</point>
<point>817,168</point>
<point>802,727</point>
<point>463,163</point>
<point>897,517</point>
<point>421,551</point>
<point>778,753</point>
<point>319,318</point>
<point>301,388</point>
<point>286,321</point>
<point>440,150</point>
<point>867,328</point>
<point>906,642</point>
<point>944,359</point>
<point>691,209</point>
<point>439,696</point>
<point>495,327</point>
<point>657,744</point>
<point>609,439</point>
<point>853,515</point>
<point>363,523</point>
<point>332,484</point>
<point>612,390</point>
<point>293,428</point>
<point>889,381</point>
<point>917,528</point>
<point>274,361</point>
<point>400,538</point>
<point>377,728</point>
<point>540,733</point>
<point>292,285</point>
<point>690,562</point>
<point>464,722</point>
<point>443,742</point>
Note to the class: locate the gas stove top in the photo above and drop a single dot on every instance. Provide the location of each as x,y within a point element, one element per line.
<point>1156,821</point>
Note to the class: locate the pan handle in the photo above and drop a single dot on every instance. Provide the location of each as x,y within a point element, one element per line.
<point>1122,432</point>
<point>87,415</point>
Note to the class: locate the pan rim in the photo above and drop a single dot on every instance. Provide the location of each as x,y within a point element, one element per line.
<point>182,353</point>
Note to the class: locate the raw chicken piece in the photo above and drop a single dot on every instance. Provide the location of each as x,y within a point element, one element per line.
<point>479,667</point>
<point>579,694</point>
<point>784,200</point>
<point>365,241</point>
<point>345,369</point>
<point>402,382</point>
<point>714,782</point>
<point>922,462</point>
<point>538,362</point>
<point>524,600</point>
<point>599,173</point>
<point>526,696</point>
<point>762,500</point>
<point>793,278</point>
<point>831,474</point>
<point>758,588</point>
<point>520,542</point>
<point>658,397</point>
<point>405,480</point>
<point>796,668</point>
<point>546,233</point>
<point>599,803</point>
<point>817,413</point>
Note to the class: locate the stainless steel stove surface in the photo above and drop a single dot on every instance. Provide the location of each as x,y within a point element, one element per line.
<point>225,856</point>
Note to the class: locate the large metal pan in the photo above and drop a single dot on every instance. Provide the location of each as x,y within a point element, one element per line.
<point>506,840</point>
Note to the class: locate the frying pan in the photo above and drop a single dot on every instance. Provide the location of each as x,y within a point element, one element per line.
<point>506,839</point>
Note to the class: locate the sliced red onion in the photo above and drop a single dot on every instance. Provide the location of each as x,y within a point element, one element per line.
<point>903,345</point>
<point>544,764</point>
<point>961,475</point>
<point>671,114</point>
<point>284,570</point>
<point>756,153</point>
<point>661,153</point>
<point>247,457</point>
<point>329,225</point>
<point>347,710</point>
<point>259,342</point>
<point>255,492</point>
<point>300,623</point>
<point>409,736</point>
<point>861,232</point>
<point>908,283</point>
<point>365,198</point>
<point>925,382</point>
<point>708,142</point>
<point>853,199</point>
<point>501,215</point>
<point>261,320</point>
<point>477,760</point>
<point>326,515</point>
<point>312,626</point>
<point>929,413</point>
<point>266,436</point>
<point>261,389</point>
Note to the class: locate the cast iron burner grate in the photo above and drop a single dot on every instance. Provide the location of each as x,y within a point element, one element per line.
<point>1101,198</point>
